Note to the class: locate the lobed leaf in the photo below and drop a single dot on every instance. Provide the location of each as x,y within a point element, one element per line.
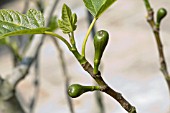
<point>68,22</point>
<point>14,23</point>
<point>97,7</point>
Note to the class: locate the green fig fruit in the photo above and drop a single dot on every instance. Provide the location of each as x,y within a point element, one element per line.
<point>75,90</point>
<point>100,41</point>
<point>161,13</point>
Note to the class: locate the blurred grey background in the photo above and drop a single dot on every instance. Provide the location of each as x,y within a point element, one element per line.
<point>130,63</point>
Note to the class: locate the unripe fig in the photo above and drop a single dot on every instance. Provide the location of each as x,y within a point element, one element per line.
<point>100,41</point>
<point>161,13</point>
<point>75,90</point>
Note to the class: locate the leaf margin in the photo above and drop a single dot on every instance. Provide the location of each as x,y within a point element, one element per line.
<point>15,23</point>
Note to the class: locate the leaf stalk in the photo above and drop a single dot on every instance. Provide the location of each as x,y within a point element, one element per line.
<point>87,35</point>
<point>59,37</point>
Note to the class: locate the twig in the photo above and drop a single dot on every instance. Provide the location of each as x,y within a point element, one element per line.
<point>65,73</point>
<point>40,5</point>
<point>36,85</point>
<point>104,87</point>
<point>26,6</point>
<point>52,11</point>
<point>150,20</point>
<point>99,101</point>
<point>8,100</point>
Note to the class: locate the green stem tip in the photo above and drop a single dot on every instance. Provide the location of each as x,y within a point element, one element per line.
<point>147,4</point>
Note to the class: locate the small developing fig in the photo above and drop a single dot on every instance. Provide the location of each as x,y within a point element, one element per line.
<point>100,41</point>
<point>75,90</point>
<point>161,13</point>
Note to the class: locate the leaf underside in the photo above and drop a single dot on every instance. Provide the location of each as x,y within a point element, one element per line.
<point>14,23</point>
<point>97,7</point>
<point>68,22</point>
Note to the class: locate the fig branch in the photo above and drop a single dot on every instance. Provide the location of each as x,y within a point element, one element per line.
<point>156,31</point>
<point>67,24</point>
<point>103,86</point>
<point>102,41</point>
